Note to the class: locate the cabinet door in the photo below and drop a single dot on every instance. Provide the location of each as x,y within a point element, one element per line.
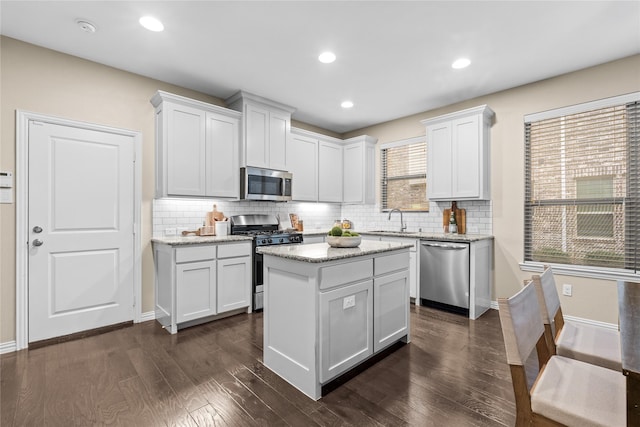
<point>234,283</point>
<point>302,162</point>
<point>256,129</point>
<point>186,161</point>
<point>354,174</point>
<point>466,157</point>
<point>439,161</point>
<point>346,328</point>
<point>329,172</point>
<point>279,126</point>
<point>195,290</point>
<point>390,309</point>
<point>223,169</point>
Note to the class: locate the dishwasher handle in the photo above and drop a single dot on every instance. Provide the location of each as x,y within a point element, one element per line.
<point>444,246</point>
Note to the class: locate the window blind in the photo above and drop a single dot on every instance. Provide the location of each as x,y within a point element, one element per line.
<point>404,175</point>
<point>582,188</point>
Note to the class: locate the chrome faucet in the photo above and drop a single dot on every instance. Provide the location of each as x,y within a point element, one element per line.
<point>402,225</point>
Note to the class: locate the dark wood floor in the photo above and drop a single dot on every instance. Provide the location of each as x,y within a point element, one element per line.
<point>453,373</point>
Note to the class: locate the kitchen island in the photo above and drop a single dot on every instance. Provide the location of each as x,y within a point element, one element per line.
<point>328,310</point>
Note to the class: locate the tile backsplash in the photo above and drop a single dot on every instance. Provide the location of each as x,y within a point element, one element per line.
<point>189,214</point>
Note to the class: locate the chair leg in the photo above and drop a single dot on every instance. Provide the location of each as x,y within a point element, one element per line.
<point>521,392</point>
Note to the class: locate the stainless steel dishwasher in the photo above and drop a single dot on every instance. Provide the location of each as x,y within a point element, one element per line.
<point>444,275</point>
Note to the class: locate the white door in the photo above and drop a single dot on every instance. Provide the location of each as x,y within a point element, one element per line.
<point>81,229</point>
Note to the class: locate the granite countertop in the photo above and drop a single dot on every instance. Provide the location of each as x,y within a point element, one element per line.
<point>322,252</point>
<point>199,240</point>
<point>413,235</point>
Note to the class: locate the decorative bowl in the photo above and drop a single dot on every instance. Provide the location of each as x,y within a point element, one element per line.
<point>344,242</point>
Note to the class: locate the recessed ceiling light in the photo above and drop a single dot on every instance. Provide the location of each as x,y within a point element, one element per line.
<point>86,26</point>
<point>151,23</point>
<point>460,63</point>
<point>346,104</point>
<point>327,57</point>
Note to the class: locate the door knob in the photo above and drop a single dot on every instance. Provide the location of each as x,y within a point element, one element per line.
<point>37,229</point>
<point>37,242</point>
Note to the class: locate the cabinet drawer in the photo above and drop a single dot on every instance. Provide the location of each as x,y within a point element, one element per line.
<point>389,263</point>
<point>195,253</point>
<point>345,273</point>
<point>234,250</point>
<point>402,240</point>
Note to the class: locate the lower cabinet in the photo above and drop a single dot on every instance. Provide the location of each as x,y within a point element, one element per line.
<point>391,317</point>
<point>198,282</point>
<point>346,328</point>
<point>322,319</point>
<point>233,274</point>
<point>414,262</point>
<point>195,290</point>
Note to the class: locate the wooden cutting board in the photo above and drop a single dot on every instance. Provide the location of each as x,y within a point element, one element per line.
<point>461,220</point>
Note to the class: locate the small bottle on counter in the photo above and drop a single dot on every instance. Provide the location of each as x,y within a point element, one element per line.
<point>453,225</point>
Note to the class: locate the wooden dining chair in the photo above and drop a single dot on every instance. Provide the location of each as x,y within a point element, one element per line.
<point>591,344</point>
<point>566,392</point>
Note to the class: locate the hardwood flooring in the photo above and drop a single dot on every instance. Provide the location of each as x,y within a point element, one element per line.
<point>453,373</point>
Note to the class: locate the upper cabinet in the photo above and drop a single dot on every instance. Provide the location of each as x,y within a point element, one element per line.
<point>359,164</point>
<point>327,169</point>
<point>266,126</point>
<point>196,148</point>
<point>330,178</point>
<point>302,162</point>
<point>458,155</point>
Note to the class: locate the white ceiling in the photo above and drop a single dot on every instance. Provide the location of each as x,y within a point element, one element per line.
<point>394,58</point>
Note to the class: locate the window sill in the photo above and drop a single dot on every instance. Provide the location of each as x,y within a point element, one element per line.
<point>581,271</point>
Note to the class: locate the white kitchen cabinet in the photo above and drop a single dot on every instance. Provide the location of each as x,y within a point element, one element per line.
<point>414,264</point>
<point>359,157</point>
<point>346,328</point>
<point>201,282</point>
<point>196,148</point>
<point>302,162</point>
<point>234,272</point>
<point>391,318</point>
<point>320,318</point>
<point>330,173</point>
<point>458,155</point>
<point>195,290</point>
<point>266,126</point>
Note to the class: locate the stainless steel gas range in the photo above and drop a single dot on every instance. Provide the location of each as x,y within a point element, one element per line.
<point>265,231</point>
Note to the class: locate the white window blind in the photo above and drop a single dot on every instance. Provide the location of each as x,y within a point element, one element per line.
<point>404,175</point>
<point>582,187</point>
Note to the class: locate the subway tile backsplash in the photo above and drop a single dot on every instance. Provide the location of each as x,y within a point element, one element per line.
<point>189,214</point>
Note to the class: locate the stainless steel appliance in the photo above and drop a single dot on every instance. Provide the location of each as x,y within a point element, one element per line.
<point>444,275</point>
<point>265,232</point>
<point>265,184</point>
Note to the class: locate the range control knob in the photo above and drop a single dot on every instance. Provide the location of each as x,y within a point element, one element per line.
<point>281,240</point>
<point>264,241</point>
<point>270,240</point>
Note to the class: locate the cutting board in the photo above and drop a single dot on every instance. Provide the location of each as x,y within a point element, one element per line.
<point>461,220</point>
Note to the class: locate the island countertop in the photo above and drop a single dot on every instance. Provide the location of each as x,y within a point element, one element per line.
<point>322,252</point>
<point>198,240</point>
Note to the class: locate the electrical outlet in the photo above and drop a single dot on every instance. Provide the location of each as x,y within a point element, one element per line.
<point>349,302</point>
<point>567,290</point>
<point>169,231</point>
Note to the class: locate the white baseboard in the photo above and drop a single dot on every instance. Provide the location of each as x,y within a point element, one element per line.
<point>494,305</point>
<point>149,315</point>
<point>8,347</point>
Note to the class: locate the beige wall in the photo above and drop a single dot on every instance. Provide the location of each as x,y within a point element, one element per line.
<point>47,82</point>
<point>592,299</point>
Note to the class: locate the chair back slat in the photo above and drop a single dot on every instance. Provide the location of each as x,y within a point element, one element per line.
<point>547,293</point>
<point>522,324</point>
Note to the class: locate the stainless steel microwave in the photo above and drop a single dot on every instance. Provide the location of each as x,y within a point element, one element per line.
<point>265,184</point>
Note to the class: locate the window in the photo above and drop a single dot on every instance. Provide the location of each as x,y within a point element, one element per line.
<point>404,175</point>
<point>582,185</point>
